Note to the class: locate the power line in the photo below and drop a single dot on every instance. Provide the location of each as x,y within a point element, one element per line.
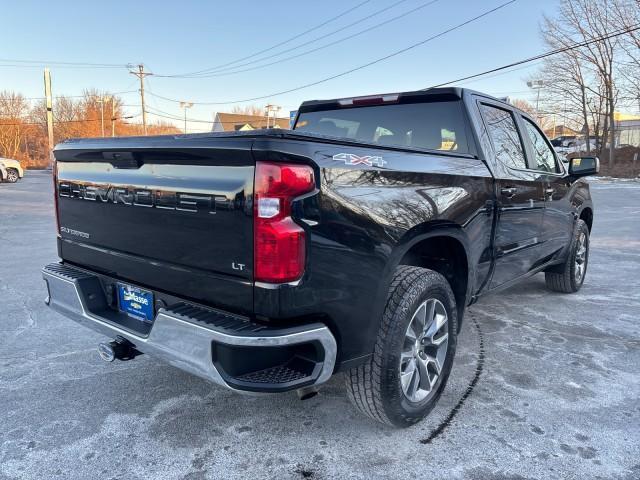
<point>53,62</point>
<point>221,71</point>
<point>326,22</point>
<point>508,71</point>
<point>161,113</point>
<point>225,72</point>
<point>170,116</point>
<point>543,55</point>
<point>347,72</point>
<point>82,120</point>
<point>81,96</point>
<point>10,65</point>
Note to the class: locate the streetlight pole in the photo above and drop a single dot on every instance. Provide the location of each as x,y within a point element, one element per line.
<point>185,106</point>
<point>272,108</point>
<point>537,84</point>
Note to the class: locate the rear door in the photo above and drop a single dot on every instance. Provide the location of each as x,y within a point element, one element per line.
<point>519,194</point>
<point>166,213</point>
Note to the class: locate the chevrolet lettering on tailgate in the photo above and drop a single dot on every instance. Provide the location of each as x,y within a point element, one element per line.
<point>140,197</point>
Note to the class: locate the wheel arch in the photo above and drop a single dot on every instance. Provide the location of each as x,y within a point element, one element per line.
<point>442,247</point>
<point>586,214</point>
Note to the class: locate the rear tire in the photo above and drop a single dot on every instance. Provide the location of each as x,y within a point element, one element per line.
<point>12,175</point>
<point>569,276</point>
<point>387,388</point>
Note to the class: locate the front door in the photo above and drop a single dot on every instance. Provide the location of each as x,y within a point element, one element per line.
<point>557,224</point>
<point>520,198</point>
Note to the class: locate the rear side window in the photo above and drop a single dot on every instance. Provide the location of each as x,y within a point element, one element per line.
<point>545,159</point>
<point>434,125</point>
<point>504,133</point>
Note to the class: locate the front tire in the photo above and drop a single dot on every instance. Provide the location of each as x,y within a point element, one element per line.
<point>569,276</point>
<point>414,350</point>
<point>12,175</point>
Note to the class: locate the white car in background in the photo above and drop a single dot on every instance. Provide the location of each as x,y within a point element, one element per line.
<point>568,144</point>
<point>10,170</point>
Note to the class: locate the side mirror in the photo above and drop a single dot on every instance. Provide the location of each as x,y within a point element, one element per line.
<point>584,166</point>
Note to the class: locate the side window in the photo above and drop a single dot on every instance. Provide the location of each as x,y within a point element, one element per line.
<point>544,157</point>
<point>504,133</point>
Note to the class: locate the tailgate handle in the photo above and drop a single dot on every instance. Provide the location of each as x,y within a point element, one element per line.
<point>122,159</point>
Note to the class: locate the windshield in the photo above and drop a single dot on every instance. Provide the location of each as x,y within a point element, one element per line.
<point>430,125</point>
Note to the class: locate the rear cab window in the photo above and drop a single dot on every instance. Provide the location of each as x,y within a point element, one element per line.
<point>430,124</point>
<point>503,131</point>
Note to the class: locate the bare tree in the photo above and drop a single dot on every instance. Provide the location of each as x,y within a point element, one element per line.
<point>589,78</point>
<point>249,110</point>
<point>587,20</point>
<point>627,15</point>
<point>540,117</point>
<point>566,80</point>
<point>13,124</point>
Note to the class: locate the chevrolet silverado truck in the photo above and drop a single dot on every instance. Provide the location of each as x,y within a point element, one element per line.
<point>270,260</point>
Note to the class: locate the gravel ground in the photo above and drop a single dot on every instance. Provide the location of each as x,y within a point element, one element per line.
<point>544,385</point>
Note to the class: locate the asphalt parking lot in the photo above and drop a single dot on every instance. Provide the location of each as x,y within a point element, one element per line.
<point>544,385</point>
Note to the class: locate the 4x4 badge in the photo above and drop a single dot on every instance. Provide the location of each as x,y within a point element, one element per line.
<point>353,159</point>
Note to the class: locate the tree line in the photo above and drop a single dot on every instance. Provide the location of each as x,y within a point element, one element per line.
<point>23,124</point>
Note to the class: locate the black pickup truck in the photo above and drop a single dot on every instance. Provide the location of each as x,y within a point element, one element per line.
<point>269,260</point>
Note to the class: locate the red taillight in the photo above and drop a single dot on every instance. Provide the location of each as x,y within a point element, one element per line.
<point>279,242</point>
<point>55,194</point>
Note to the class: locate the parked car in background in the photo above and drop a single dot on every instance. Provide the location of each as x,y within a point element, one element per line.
<point>10,170</point>
<point>572,144</point>
<point>563,141</point>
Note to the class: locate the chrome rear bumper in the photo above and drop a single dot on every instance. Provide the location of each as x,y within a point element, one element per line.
<point>202,341</point>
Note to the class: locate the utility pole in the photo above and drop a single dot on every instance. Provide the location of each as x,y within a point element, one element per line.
<point>101,100</point>
<point>49,105</point>
<point>185,106</point>
<point>113,118</point>
<point>141,74</point>
<point>105,98</point>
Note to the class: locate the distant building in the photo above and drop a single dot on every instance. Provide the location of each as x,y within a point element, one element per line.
<point>234,122</point>
<point>560,131</point>
<point>627,129</point>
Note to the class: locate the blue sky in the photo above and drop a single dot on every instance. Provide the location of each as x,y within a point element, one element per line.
<point>178,37</point>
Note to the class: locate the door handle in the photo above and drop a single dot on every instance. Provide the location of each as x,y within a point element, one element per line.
<point>508,191</point>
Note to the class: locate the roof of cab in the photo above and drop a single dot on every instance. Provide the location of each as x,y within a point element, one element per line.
<point>452,92</point>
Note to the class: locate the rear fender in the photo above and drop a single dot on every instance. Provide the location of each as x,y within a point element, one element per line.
<point>411,238</point>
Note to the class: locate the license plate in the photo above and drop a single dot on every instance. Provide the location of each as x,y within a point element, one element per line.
<point>136,302</point>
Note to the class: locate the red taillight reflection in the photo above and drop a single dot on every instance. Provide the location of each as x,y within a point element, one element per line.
<point>279,243</point>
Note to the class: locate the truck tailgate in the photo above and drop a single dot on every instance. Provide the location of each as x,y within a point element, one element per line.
<point>168,219</point>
